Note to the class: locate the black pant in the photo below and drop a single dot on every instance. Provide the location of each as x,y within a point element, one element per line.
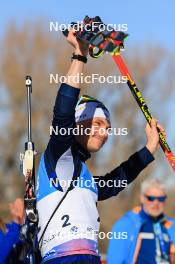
<point>76,259</point>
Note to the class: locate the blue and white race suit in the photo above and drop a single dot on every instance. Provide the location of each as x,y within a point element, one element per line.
<point>74,227</point>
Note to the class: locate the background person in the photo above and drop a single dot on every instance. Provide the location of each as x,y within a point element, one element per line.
<point>150,233</point>
<point>9,233</point>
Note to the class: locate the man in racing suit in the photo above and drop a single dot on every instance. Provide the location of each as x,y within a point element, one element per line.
<point>68,215</point>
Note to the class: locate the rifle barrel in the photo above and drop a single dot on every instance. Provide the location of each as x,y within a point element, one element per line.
<point>29,91</point>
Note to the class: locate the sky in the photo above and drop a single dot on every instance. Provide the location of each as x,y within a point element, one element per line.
<point>151,21</point>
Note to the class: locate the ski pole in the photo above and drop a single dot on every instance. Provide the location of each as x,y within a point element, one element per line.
<point>143,106</point>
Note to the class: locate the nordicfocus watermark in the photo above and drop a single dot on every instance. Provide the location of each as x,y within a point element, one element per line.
<point>79,26</point>
<point>93,78</point>
<point>79,130</point>
<point>91,183</point>
<point>77,233</point>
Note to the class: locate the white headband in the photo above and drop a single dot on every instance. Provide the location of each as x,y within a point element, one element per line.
<point>89,110</point>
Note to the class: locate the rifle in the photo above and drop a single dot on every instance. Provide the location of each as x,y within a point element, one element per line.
<point>30,227</point>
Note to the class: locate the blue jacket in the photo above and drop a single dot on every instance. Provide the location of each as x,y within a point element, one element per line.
<point>121,251</point>
<point>8,239</point>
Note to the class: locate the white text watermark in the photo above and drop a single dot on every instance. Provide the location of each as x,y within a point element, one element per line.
<point>90,183</point>
<point>89,27</point>
<point>89,79</point>
<point>79,130</point>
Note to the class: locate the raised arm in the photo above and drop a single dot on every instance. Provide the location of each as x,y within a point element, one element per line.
<point>76,65</point>
<point>64,109</point>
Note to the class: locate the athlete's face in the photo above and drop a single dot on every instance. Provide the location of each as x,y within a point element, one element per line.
<point>94,133</point>
<point>151,204</point>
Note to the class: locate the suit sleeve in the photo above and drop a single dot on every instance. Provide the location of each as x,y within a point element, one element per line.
<point>61,136</point>
<point>125,173</point>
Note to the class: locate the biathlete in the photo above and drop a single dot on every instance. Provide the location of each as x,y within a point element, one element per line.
<point>68,216</point>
